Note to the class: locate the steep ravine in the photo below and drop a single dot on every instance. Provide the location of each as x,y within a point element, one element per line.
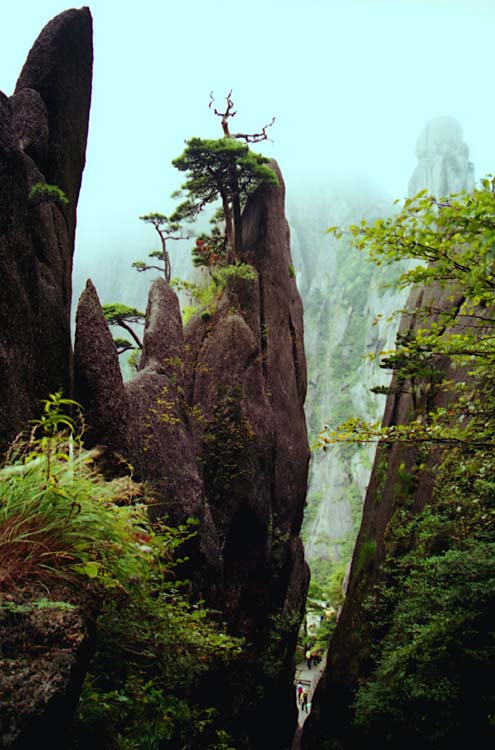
<point>396,492</point>
<point>342,295</point>
<point>213,421</point>
<point>347,311</point>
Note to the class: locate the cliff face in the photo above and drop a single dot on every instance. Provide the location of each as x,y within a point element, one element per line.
<point>395,483</point>
<point>44,655</point>
<point>404,486</point>
<point>342,295</point>
<point>214,420</point>
<point>43,131</point>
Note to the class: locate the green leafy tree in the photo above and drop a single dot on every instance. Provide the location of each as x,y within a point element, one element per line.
<point>224,169</point>
<point>428,616</point>
<point>453,242</point>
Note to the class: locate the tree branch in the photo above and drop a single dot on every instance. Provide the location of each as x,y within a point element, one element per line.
<point>128,328</point>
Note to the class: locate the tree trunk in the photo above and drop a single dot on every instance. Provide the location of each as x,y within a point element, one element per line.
<point>236,208</point>
<point>229,228</point>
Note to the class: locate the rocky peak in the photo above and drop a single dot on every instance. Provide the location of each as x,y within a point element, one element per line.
<point>231,449</point>
<point>443,160</point>
<point>59,69</point>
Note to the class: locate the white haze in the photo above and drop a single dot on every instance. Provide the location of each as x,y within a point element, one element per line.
<point>351,85</point>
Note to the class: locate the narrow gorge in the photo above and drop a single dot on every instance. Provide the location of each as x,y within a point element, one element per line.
<point>169,554</point>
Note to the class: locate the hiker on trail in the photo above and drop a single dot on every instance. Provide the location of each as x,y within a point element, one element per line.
<point>308,658</point>
<point>299,689</point>
<point>304,701</point>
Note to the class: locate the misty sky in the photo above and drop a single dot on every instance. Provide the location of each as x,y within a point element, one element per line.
<point>351,85</point>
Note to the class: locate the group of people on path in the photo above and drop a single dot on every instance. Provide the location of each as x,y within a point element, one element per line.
<point>302,697</point>
<point>312,658</point>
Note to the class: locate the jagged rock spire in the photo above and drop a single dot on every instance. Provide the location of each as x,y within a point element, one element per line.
<point>443,160</point>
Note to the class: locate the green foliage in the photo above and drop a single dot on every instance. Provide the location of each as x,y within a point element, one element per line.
<point>42,192</point>
<point>153,648</point>
<point>454,238</point>
<point>431,676</point>
<point>234,271</point>
<point>219,167</point>
<point>115,313</point>
<point>61,522</point>
<point>13,607</point>
<point>428,617</point>
<point>223,169</point>
<point>205,297</point>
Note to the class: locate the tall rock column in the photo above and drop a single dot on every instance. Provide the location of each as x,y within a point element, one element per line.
<point>43,132</point>
<point>248,379</point>
<point>214,422</point>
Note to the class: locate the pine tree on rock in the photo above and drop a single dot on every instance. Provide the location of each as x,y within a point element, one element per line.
<point>224,169</point>
<point>167,229</point>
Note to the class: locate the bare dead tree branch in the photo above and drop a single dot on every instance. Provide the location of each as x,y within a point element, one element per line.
<point>229,113</point>
<point>255,137</point>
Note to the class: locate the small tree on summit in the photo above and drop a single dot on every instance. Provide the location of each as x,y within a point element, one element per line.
<point>224,169</point>
<point>167,229</point>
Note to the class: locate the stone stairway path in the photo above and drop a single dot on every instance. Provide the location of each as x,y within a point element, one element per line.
<point>309,678</point>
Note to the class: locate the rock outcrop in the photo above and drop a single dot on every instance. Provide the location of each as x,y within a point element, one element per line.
<point>443,160</point>
<point>214,422</point>
<point>103,398</point>
<point>43,661</point>
<point>43,132</point>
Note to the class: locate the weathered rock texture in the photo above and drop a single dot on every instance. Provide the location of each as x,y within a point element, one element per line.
<point>43,131</point>
<point>214,421</point>
<point>43,660</point>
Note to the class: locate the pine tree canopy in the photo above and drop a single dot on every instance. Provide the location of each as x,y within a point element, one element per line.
<point>224,168</point>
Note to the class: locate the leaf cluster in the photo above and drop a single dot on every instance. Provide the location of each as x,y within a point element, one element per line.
<point>453,239</point>
<point>61,522</point>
